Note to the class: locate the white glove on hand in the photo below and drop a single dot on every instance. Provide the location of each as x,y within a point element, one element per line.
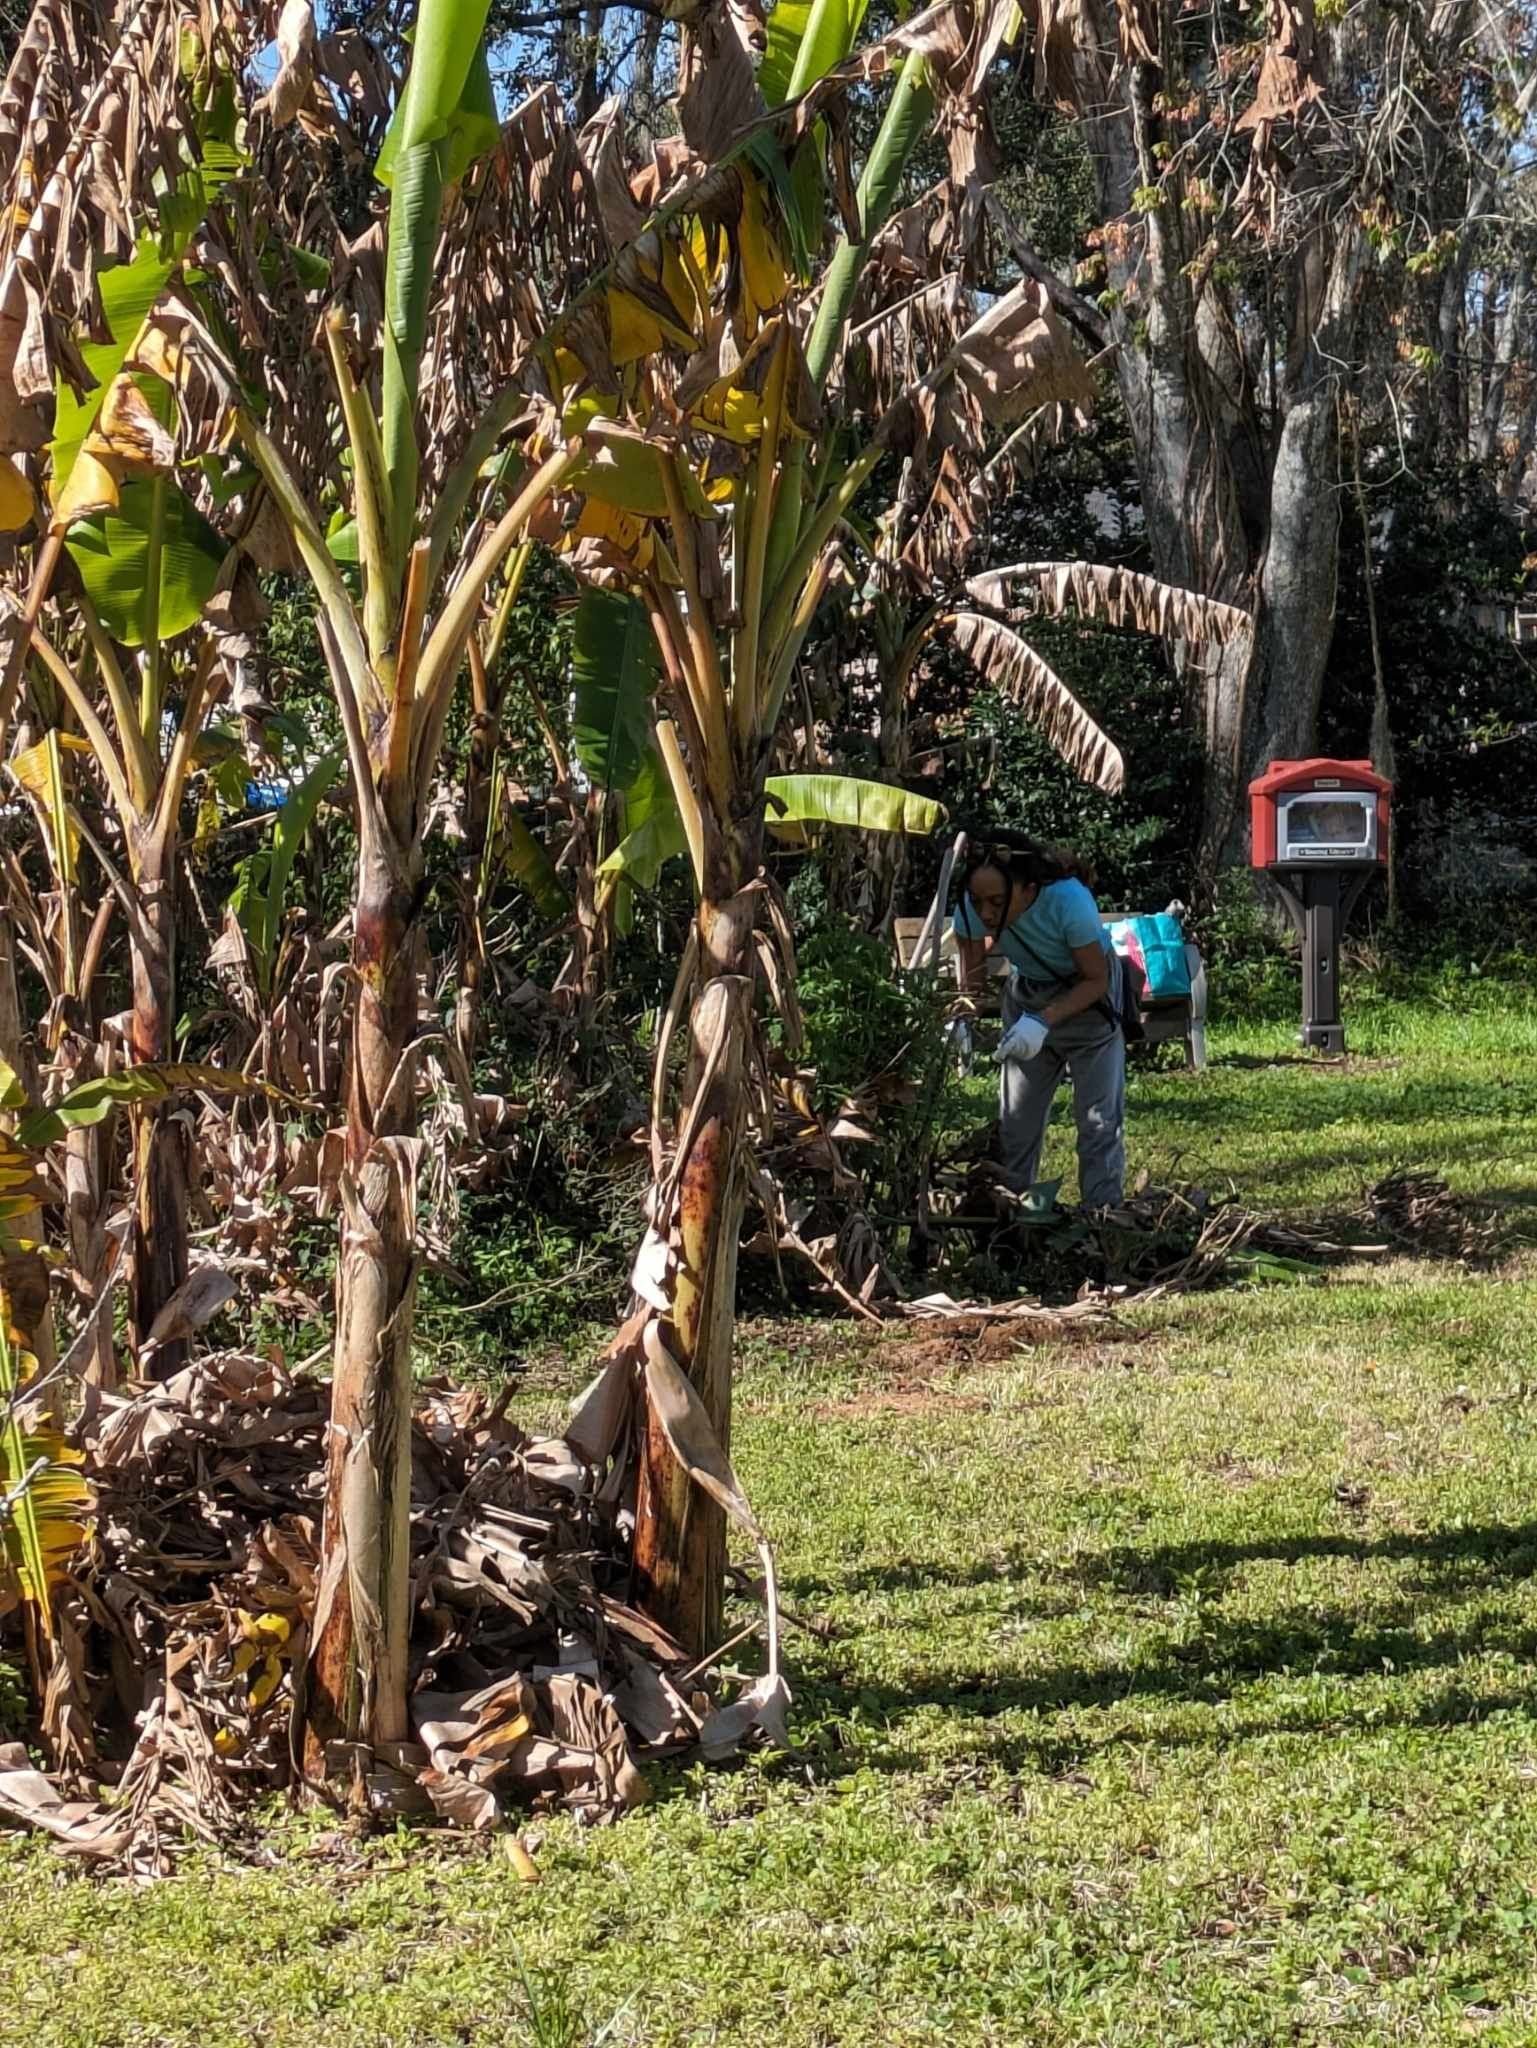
<point>1023,1040</point>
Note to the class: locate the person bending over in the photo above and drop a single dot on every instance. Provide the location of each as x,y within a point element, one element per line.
<point>1060,1013</point>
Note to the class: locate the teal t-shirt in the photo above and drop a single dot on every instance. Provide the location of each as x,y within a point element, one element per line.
<point>1040,941</point>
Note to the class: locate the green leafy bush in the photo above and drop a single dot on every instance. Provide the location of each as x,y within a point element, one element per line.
<point>860,1013</point>
<point>13,1699</point>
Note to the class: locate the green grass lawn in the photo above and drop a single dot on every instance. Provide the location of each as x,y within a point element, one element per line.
<point>1175,1686</point>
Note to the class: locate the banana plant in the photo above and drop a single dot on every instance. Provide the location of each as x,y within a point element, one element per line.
<point>130,671</point>
<point>724,455</point>
<point>735,433</point>
<point>710,257</point>
<point>142,743</point>
<point>394,657</point>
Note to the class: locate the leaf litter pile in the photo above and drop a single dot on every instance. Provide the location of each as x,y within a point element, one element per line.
<point>1418,1213</point>
<point>173,1704</point>
<point>1181,1239</point>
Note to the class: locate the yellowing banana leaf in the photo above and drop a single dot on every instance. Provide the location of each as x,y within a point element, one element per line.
<point>129,291</point>
<point>735,405</point>
<point>764,277</point>
<point>39,770</point>
<point>41,1498</point>
<point>606,536</point>
<point>12,1094</point>
<point>135,1088</point>
<point>18,504</point>
<point>45,1524</point>
<point>795,802</point>
<point>622,468</point>
<point>20,1186</point>
<point>634,334</point>
<point>652,300</point>
<point>848,800</point>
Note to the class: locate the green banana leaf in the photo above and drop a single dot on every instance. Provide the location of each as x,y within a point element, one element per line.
<point>137,1088</point>
<point>614,670</point>
<point>794,802</point>
<point>258,903</point>
<point>112,552</point>
<point>448,104</point>
<point>641,855</point>
<point>804,40</point>
<point>529,864</point>
<point>649,791</point>
<point>446,118</point>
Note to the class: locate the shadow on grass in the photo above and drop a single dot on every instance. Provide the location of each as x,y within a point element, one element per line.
<point>1454,1557</point>
<point>1218,1655</point>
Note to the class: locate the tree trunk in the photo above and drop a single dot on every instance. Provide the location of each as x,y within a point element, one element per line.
<point>680,1534</point>
<point>1505,349</point>
<point>161,1148</point>
<point>1273,714</point>
<point>357,1674</point>
<point>1225,516</point>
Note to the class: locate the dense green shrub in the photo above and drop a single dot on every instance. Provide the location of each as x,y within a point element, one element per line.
<point>860,1013</point>
<point>1462,702</point>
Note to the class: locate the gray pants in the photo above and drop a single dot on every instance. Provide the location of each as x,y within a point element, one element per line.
<point>1089,1048</point>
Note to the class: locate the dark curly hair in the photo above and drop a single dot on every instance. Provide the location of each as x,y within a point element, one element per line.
<point>1023,860</point>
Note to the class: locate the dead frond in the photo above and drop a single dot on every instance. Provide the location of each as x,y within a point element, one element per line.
<point>1018,673</point>
<point>1116,597</point>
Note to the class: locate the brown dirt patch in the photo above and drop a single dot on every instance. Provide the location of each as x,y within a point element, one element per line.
<point>952,1346</point>
<point>903,1400</point>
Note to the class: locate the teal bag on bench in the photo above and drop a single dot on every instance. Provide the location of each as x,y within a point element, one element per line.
<point>1160,940</point>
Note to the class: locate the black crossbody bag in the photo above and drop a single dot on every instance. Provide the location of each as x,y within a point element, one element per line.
<point>1122,1006</point>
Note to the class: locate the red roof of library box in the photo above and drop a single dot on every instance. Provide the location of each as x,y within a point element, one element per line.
<point>1287,778</point>
<point>1282,777</point>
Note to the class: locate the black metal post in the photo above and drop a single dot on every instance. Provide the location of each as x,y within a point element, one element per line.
<point>1319,901</point>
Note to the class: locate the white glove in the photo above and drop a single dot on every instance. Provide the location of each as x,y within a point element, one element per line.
<point>1023,1040</point>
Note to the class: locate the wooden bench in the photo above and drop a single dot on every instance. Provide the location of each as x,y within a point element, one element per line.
<point>1177,1017</point>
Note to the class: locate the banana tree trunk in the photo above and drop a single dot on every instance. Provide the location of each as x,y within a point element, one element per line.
<point>17,1050</point>
<point>85,1180</point>
<point>485,738</point>
<point>161,1150</point>
<point>680,1533</point>
<point>356,1678</point>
